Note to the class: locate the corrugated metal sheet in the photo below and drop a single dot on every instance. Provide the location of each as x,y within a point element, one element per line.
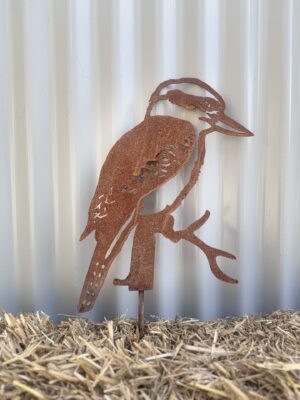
<point>75,75</point>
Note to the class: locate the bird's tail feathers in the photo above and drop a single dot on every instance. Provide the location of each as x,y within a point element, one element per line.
<point>88,229</point>
<point>94,280</point>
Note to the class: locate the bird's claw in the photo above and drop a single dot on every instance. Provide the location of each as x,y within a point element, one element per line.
<point>210,252</point>
<point>121,282</point>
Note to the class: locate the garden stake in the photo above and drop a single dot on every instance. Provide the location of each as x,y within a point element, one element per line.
<point>139,163</point>
<point>141,313</point>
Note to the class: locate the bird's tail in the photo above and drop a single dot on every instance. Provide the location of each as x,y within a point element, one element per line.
<point>94,279</point>
<point>88,229</point>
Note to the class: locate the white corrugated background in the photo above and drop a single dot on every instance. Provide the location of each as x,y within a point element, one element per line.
<point>76,75</point>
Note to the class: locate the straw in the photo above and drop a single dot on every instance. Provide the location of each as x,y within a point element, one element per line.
<point>239,358</point>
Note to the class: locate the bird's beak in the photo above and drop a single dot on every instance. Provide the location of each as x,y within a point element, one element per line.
<point>237,129</point>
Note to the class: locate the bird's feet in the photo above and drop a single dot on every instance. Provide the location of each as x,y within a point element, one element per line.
<point>210,252</point>
<point>175,236</point>
<point>122,282</point>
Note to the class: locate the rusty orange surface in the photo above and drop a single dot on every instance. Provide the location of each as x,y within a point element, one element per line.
<point>141,161</point>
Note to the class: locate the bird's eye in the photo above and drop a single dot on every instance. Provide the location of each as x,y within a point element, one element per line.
<point>210,104</point>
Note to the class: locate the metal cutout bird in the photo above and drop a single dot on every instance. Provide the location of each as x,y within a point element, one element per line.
<point>139,163</point>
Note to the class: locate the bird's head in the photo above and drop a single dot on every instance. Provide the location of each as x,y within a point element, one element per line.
<point>213,106</point>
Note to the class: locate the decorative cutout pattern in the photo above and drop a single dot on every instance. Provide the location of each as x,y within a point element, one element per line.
<point>140,162</point>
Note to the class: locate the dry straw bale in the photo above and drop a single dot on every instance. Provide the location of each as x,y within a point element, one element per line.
<point>246,358</point>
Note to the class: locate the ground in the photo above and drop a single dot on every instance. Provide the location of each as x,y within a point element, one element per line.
<point>245,358</point>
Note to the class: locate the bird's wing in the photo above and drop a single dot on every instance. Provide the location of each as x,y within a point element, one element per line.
<point>139,163</point>
<point>101,209</point>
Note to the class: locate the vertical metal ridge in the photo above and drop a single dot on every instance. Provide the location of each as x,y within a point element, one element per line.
<point>286,186</point>
<point>169,290</point>
<point>295,118</point>
<point>63,180</point>
<point>8,286</point>
<point>210,183</point>
<point>248,261</point>
<point>82,130</point>
<point>54,158</point>
<point>147,75</point>
<point>122,119</point>
<point>28,128</point>
<point>275,93</point>
<point>102,65</point>
<point>22,178</point>
<point>190,30</point>
<point>289,225</point>
<point>40,125</point>
<point>124,92</point>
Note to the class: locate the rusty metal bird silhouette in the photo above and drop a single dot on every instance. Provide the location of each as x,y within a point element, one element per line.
<point>139,163</point>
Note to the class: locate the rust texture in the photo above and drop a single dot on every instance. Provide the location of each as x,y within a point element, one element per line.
<point>141,313</point>
<point>140,162</point>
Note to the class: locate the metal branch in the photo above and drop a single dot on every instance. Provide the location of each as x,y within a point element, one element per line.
<point>210,252</point>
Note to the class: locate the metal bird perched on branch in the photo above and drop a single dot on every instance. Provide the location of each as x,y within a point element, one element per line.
<point>140,162</point>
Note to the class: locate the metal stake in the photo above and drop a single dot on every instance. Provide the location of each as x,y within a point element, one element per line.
<point>141,313</point>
